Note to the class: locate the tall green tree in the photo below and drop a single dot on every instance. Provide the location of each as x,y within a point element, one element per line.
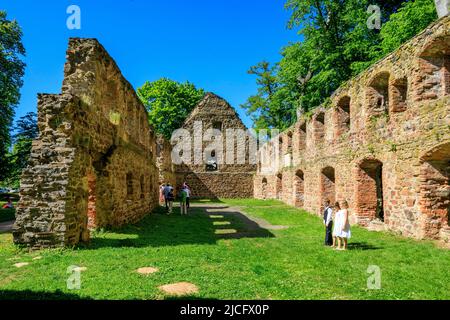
<point>411,18</point>
<point>265,108</point>
<point>337,45</point>
<point>25,131</point>
<point>169,103</point>
<point>12,69</point>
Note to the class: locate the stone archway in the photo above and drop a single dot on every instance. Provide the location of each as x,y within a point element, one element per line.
<point>377,94</point>
<point>299,188</point>
<point>435,69</point>
<point>301,137</point>
<point>279,187</point>
<point>342,114</point>
<point>435,191</point>
<point>369,191</point>
<point>399,94</point>
<point>327,185</point>
<point>319,127</point>
<point>264,188</point>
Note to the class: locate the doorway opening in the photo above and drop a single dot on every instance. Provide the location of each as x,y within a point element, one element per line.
<point>435,189</point>
<point>369,195</point>
<point>279,187</point>
<point>299,188</point>
<point>328,185</point>
<point>264,188</point>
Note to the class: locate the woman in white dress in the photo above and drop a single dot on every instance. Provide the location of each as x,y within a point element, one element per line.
<point>342,227</point>
<point>336,209</point>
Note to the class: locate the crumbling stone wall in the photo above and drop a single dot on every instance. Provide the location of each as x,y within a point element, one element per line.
<point>382,144</point>
<point>164,162</point>
<point>230,180</point>
<point>94,163</point>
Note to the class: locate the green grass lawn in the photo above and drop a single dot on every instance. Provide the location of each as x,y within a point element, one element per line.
<point>261,264</point>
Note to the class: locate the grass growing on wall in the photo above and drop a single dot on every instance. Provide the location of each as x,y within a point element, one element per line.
<point>290,263</point>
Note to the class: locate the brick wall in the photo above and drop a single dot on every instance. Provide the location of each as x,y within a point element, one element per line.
<point>385,135</point>
<point>93,164</point>
<point>230,180</point>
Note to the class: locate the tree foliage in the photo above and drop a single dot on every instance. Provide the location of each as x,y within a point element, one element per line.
<point>266,108</point>
<point>169,103</point>
<point>410,19</point>
<point>337,45</point>
<point>11,72</point>
<point>25,131</point>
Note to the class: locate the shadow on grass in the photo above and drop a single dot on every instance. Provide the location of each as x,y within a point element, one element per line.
<point>203,225</point>
<point>28,295</point>
<point>205,201</point>
<point>191,297</point>
<point>362,246</point>
<point>234,225</point>
<point>10,295</point>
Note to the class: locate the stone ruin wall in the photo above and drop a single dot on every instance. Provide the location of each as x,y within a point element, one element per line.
<point>382,142</point>
<point>383,138</point>
<point>94,163</point>
<point>230,180</point>
<point>164,162</point>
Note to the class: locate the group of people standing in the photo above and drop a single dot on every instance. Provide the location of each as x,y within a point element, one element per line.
<point>167,195</point>
<point>337,225</point>
<point>335,218</point>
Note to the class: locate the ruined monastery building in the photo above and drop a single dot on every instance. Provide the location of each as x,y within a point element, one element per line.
<point>382,143</point>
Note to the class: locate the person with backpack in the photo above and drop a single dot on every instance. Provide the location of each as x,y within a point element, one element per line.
<point>183,201</point>
<point>188,191</point>
<point>170,198</point>
<point>167,189</point>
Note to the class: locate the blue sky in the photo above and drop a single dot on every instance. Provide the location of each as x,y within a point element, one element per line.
<point>211,43</point>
